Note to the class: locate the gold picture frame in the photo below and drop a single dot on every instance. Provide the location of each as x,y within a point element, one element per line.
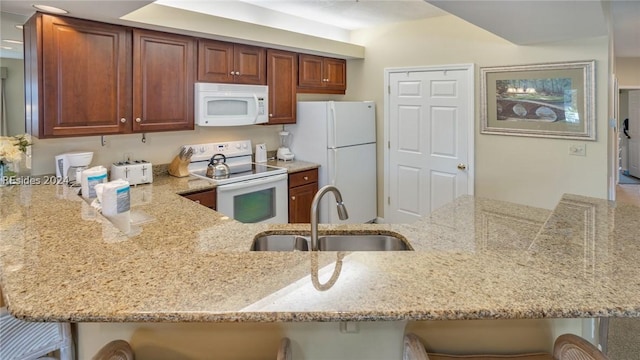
<point>554,100</point>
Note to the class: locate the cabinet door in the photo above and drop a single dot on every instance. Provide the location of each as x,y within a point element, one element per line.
<point>300,198</point>
<point>163,81</point>
<point>86,78</point>
<point>215,61</point>
<point>249,64</point>
<point>335,73</point>
<point>282,72</point>
<point>310,71</point>
<point>206,198</point>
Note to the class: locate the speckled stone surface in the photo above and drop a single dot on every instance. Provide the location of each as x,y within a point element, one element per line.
<point>472,259</point>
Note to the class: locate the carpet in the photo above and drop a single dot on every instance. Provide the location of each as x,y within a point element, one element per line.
<point>628,179</point>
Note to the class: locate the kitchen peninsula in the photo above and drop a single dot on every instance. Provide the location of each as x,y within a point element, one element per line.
<point>473,259</point>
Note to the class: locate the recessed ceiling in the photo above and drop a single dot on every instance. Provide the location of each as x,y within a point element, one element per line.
<point>521,22</point>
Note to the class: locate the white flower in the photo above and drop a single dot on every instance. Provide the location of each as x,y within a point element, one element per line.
<point>11,148</point>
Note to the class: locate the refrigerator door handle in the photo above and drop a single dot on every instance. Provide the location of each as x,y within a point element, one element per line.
<point>333,172</point>
<point>331,128</point>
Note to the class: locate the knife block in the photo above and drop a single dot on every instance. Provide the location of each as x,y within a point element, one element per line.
<point>178,167</point>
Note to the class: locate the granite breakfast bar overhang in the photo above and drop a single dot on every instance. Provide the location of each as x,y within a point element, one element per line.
<point>473,259</point>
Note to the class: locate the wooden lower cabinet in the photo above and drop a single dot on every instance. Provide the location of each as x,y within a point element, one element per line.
<point>206,198</point>
<point>302,188</point>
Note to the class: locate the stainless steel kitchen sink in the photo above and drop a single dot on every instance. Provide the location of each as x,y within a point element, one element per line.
<point>285,242</point>
<point>333,242</point>
<point>359,242</point>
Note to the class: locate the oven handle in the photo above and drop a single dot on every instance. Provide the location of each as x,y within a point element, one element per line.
<point>244,184</point>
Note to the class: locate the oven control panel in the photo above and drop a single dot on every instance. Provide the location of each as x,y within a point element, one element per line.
<point>229,149</point>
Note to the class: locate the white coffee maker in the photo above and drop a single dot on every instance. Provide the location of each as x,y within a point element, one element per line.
<point>68,164</point>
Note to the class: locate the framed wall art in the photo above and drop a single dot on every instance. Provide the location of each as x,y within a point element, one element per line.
<point>555,100</point>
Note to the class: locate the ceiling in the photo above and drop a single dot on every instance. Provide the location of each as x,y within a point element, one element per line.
<point>522,22</point>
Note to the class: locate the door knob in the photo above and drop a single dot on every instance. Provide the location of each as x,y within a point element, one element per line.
<point>462,166</point>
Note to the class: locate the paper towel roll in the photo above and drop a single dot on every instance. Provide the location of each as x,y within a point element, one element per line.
<point>91,177</point>
<point>115,199</point>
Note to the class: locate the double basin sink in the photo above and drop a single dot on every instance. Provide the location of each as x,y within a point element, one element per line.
<point>332,242</point>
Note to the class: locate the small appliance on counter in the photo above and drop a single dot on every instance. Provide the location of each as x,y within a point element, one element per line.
<point>284,153</point>
<point>135,172</point>
<point>261,153</point>
<point>70,165</point>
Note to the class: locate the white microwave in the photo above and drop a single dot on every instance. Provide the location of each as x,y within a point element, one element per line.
<point>231,104</point>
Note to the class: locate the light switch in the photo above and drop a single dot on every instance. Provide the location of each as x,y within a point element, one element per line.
<point>578,149</point>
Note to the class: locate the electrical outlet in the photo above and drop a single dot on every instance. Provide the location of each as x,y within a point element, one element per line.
<point>349,327</point>
<point>578,149</point>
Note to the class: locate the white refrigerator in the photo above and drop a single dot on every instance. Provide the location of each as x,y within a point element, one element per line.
<point>341,137</point>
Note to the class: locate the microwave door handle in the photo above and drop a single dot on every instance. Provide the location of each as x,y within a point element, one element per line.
<point>255,101</point>
<point>249,183</point>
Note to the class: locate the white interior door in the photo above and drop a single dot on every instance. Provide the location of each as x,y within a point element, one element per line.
<point>634,133</point>
<point>430,140</point>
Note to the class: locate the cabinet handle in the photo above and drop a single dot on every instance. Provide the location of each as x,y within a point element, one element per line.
<point>197,201</point>
<point>306,178</point>
<point>293,198</point>
<point>237,72</point>
<point>231,73</point>
<point>138,120</point>
<point>123,120</point>
<point>270,115</point>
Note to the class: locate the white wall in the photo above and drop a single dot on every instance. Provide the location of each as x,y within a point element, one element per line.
<point>531,171</point>
<point>628,72</point>
<point>160,148</point>
<point>15,95</point>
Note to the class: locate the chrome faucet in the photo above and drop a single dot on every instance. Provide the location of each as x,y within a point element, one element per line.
<point>342,211</point>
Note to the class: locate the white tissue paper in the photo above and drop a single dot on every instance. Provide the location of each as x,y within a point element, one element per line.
<point>91,177</point>
<point>115,200</point>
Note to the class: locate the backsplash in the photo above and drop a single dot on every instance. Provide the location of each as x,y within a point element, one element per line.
<point>159,148</point>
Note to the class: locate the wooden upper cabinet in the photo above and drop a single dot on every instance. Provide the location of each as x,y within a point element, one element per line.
<point>310,70</point>
<point>317,74</point>
<point>85,80</point>
<point>224,62</point>
<point>282,73</point>
<point>335,72</point>
<point>89,78</point>
<point>249,64</point>
<point>163,81</point>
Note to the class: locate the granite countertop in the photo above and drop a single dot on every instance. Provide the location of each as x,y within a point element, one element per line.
<point>473,259</point>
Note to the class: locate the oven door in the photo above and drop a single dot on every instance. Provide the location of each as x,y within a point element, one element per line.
<point>263,200</point>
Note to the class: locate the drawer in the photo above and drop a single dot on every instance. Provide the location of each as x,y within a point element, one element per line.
<point>303,177</point>
<point>206,198</point>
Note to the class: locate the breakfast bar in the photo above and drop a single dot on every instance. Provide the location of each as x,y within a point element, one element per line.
<point>473,259</point>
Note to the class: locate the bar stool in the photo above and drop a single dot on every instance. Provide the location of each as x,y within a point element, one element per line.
<point>121,350</point>
<point>566,347</point>
<point>115,350</point>
<point>24,340</point>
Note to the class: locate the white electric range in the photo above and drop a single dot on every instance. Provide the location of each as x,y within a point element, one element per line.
<point>252,192</point>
